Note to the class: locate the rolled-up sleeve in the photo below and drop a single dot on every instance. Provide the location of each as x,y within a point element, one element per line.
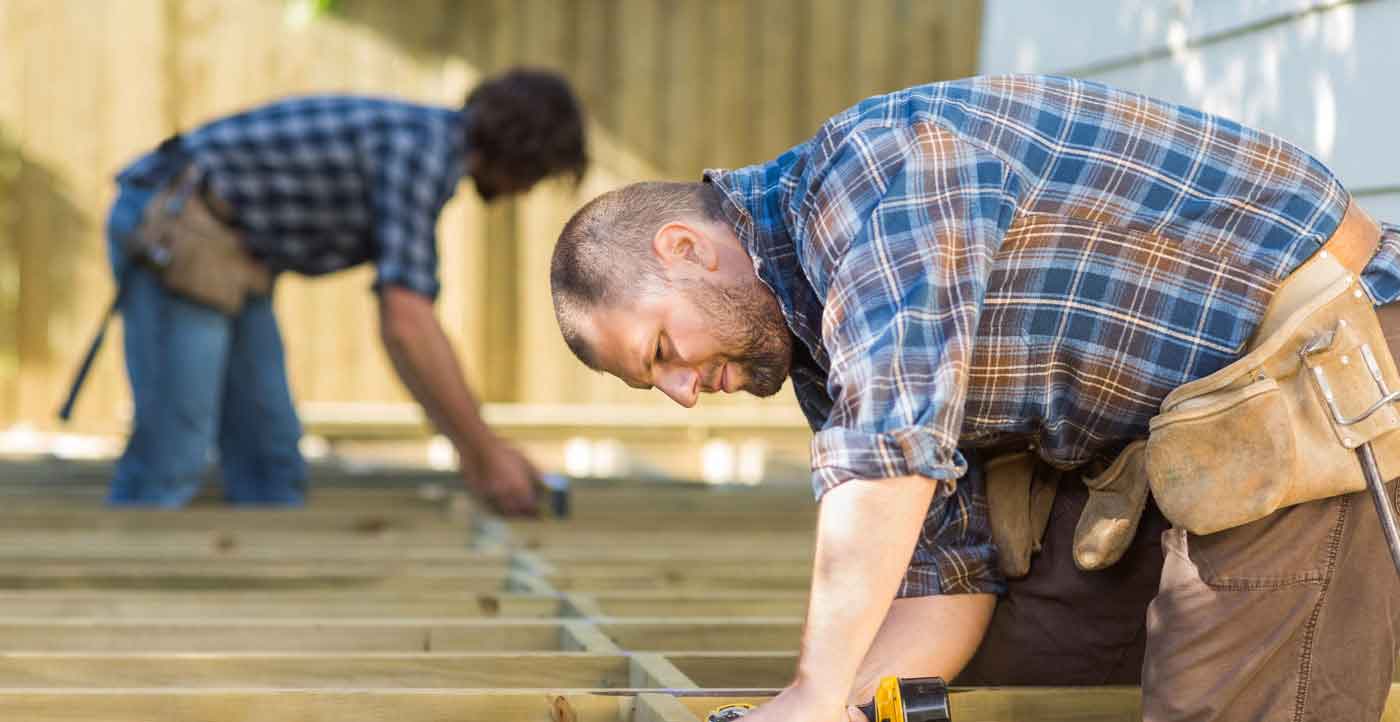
<point>912,217</point>
<point>411,186</point>
<point>908,220</point>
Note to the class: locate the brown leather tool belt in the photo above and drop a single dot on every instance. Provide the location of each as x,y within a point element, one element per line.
<point>186,237</point>
<point>1278,426</point>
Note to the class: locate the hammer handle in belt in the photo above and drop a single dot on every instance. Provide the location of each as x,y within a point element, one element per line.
<point>1383,503</point>
<point>65,412</point>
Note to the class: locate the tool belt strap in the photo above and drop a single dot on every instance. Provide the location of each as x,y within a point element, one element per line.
<point>1352,245</point>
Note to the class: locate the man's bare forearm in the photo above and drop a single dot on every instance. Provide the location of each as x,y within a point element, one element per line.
<point>426,363</point>
<point>866,532</point>
<point>947,629</point>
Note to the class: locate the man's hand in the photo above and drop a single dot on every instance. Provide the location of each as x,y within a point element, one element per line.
<point>866,531</point>
<point>426,363</point>
<point>801,704</point>
<point>507,479</point>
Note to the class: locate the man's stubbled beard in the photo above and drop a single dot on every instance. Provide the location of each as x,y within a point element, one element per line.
<point>749,325</point>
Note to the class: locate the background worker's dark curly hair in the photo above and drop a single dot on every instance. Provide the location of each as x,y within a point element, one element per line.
<point>528,125</point>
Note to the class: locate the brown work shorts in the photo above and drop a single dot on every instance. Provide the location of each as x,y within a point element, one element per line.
<point>1062,626</point>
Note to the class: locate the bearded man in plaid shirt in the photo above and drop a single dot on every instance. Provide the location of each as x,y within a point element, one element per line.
<point>959,270</point>
<point>314,185</point>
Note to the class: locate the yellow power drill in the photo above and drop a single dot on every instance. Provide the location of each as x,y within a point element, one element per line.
<point>917,699</point>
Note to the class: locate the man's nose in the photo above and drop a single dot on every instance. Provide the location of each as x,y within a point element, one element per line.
<point>681,384</point>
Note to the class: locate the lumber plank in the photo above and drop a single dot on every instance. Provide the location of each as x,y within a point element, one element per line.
<point>60,547</point>
<point>649,669</point>
<point>663,519</point>
<point>696,577</point>
<point>786,549</point>
<point>225,605</point>
<point>270,582</point>
<point>582,605</point>
<point>583,635</point>
<point>1081,704</point>
<point>320,671</point>
<point>369,523</point>
<point>285,635</point>
<point>594,542</point>
<point>736,669</point>
<point>698,604</point>
<point>705,635</point>
<point>343,705</point>
<point>681,565</point>
<point>661,708</point>
<point>465,564</point>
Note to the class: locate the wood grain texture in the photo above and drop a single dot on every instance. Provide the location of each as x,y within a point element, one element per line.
<point>284,635</point>
<point>317,604</point>
<point>319,671</point>
<point>344,705</point>
<point>752,634</point>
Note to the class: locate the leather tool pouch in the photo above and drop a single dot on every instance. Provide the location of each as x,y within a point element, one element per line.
<point>195,253</point>
<point>1278,426</point>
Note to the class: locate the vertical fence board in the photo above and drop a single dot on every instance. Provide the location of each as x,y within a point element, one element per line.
<point>828,82</point>
<point>730,108</point>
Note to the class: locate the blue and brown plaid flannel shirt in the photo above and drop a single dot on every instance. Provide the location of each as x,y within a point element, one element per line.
<point>322,183</point>
<point>1018,259</point>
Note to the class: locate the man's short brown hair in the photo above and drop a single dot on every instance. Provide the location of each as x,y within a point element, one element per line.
<point>603,256</point>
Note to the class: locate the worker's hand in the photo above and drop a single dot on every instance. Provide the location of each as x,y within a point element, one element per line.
<point>799,704</point>
<point>508,480</point>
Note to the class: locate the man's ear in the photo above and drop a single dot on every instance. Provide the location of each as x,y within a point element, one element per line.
<point>678,242</point>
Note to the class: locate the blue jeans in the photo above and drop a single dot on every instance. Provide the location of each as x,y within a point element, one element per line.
<point>199,377</point>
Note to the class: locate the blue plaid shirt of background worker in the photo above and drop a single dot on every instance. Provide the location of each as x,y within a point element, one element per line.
<point>314,185</point>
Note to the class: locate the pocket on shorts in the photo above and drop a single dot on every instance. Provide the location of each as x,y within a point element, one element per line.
<point>1289,547</point>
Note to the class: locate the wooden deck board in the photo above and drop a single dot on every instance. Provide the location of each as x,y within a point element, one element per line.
<point>700,604</point>
<point>317,671</point>
<point>286,635</point>
<point>716,634</point>
<point>338,705</point>
<point>224,605</point>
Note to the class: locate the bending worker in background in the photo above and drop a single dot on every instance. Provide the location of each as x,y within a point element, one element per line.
<point>1025,275</point>
<point>203,225</point>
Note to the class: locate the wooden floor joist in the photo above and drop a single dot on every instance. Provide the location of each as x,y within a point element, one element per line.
<point>682,604</point>
<point>227,605</point>
<point>391,599</point>
<point>299,670</point>
<point>284,635</point>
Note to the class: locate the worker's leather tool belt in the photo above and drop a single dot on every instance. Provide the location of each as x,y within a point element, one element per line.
<point>184,238</point>
<point>1278,426</point>
<point>1275,428</point>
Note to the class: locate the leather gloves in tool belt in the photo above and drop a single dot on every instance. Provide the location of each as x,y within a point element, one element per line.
<point>1020,492</point>
<point>1110,517</point>
<point>195,253</point>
